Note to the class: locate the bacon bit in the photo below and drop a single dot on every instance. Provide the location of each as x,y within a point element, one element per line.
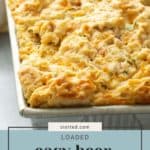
<point>76,3</point>
<point>60,81</point>
<point>70,28</point>
<point>64,3</point>
<point>102,52</point>
<point>51,26</point>
<point>86,29</point>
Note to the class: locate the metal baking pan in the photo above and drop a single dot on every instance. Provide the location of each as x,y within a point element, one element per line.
<point>55,112</point>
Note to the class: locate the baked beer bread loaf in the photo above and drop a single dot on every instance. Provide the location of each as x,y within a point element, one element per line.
<point>83,52</point>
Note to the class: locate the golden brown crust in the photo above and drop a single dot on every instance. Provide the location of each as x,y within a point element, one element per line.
<point>83,52</point>
<point>63,91</point>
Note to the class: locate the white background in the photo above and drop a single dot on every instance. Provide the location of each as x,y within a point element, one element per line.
<point>8,104</point>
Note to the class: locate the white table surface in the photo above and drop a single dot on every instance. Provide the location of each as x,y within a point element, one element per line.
<point>9,115</point>
<point>8,102</point>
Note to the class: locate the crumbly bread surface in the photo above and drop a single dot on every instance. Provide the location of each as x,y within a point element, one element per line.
<point>83,52</point>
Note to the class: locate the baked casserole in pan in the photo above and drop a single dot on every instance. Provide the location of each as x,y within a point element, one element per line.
<point>83,52</point>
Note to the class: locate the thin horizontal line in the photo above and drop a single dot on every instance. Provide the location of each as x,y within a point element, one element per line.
<point>13,127</point>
